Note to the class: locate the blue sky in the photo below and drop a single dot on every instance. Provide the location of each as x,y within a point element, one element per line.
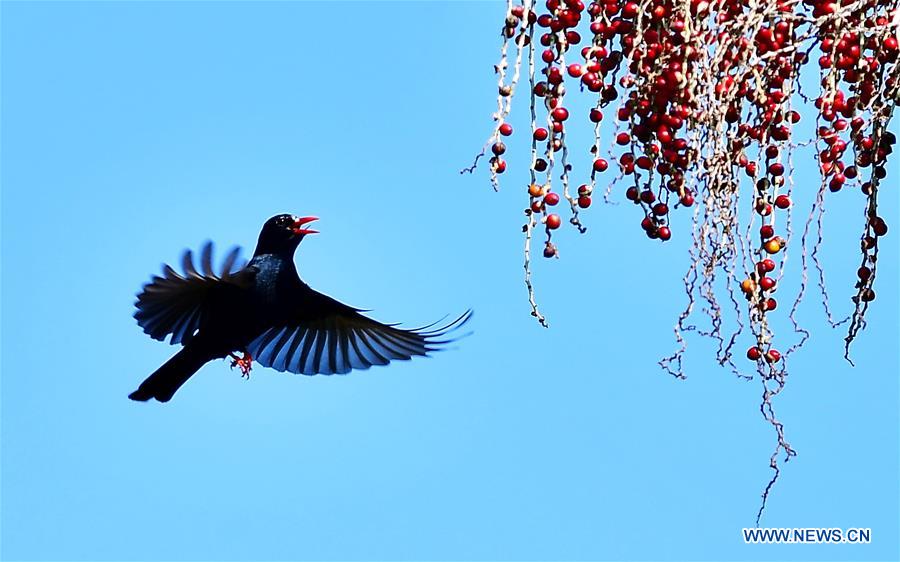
<point>131,131</point>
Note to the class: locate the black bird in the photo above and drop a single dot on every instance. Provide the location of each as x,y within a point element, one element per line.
<point>266,312</point>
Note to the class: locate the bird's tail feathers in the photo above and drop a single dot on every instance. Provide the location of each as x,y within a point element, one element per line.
<point>166,380</point>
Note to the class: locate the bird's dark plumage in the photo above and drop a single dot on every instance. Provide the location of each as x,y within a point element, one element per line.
<point>263,309</point>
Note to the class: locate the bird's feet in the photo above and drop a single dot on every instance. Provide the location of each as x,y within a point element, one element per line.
<point>245,363</point>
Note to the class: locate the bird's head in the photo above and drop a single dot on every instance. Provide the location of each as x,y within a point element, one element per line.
<point>282,234</point>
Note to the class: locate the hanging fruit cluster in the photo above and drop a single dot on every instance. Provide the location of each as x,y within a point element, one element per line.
<point>702,95</point>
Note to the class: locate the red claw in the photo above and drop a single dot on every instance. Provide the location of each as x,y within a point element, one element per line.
<point>245,364</point>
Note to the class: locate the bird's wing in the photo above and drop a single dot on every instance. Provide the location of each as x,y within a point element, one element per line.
<point>327,337</point>
<point>176,303</point>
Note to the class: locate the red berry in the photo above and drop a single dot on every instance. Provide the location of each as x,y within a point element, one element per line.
<point>767,283</point>
<point>498,165</point>
<point>584,201</point>
<point>632,193</point>
<point>584,190</point>
<point>623,139</point>
<point>664,233</point>
<point>687,200</point>
<point>575,70</point>
<point>600,165</point>
<point>648,196</point>
<point>864,273</point>
<point>553,221</point>
<point>541,134</point>
<point>560,114</point>
<point>498,148</point>
<point>754,354</point>
<point>506,129</point>
<point>766,231</point>
<point>660,209</point>
<point>596,115</point>
<point>773,356</point>
<point>782,201</point>
<point>771,304</point>
<point>551,199</point>
<point>765,266</point>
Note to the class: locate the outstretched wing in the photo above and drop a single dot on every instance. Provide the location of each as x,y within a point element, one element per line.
<point>176,303</point>
<point>327,337</point>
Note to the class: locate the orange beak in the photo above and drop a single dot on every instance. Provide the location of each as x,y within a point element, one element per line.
<point>300,221</point>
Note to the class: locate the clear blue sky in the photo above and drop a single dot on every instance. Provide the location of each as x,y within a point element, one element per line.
<point>131,131</point>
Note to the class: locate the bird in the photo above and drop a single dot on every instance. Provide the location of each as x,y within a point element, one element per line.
<point>263,311</point>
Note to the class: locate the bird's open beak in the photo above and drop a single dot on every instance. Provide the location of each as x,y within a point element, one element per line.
<point>300,221</point>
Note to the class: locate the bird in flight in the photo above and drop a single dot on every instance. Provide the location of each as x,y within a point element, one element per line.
<point>265,312</point>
